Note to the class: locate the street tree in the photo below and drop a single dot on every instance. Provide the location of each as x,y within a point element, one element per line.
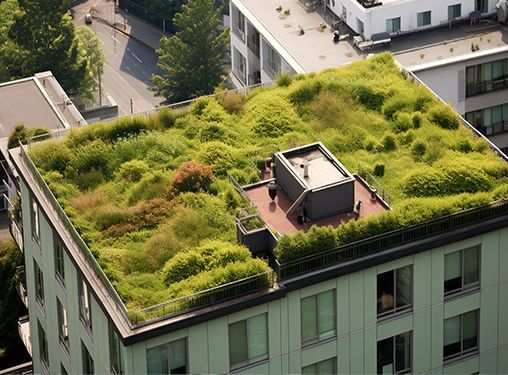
<point>192,61</point>
<point>94,54</point>
<point>43,38</point>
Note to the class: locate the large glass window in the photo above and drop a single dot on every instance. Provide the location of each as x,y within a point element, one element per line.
<point>115,351</point>
<point>492,120</point>
<point>454,11</point>
<point>326,367</point>
<point>462,270</point>
<point>239,66</point>
<point>423,18</point>
<point>394,354</point>
<point>460,335</point>
<point>88,365</point>
<point>486,77</point>
<point>34,218</point>
<point>272,62</point>
<point>43,345</point>
<point>318,317</point>
<point>63,327</point>
<point>393,25</point>
<point>168,358</point>
<point>85,311</point>
<point>248,341</point>
<point>39,284</point>
<point>395,291</point>
<point>238,23</point>
<point>59,258</point>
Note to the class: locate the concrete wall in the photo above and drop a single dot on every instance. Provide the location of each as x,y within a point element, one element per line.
<point>374,19</point>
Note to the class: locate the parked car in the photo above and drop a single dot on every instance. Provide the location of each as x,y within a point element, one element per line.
<point>88,18</point>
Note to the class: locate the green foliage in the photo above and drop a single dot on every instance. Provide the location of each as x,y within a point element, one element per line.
<point>21,133</point>
<point>389,143</point>
<point>217,155</point>
<point>192,60</point>
<point>94,55</point>
<point>51,156</point>
<point>284,80</point>
<point>370,96</point>
<point>443,116</point>
<point>133,170</point>
<point>432,181</point>
<point>317,239</point>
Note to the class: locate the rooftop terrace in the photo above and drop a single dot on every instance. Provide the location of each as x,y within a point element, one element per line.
<point>152,198</point>
<point>315,50</point>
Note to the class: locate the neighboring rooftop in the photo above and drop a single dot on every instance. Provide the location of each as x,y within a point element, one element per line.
<point>315,50</point>
<point>161,228</point>
<point>35,102</point>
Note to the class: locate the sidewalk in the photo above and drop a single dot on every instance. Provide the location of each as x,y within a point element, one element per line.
<point>128,24</point>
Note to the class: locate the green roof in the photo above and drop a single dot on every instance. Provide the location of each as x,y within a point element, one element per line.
<point>161,230</point>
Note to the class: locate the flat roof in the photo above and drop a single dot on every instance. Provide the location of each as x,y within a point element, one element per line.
<point>22,102</point>
<point>322,169</point>
<point>315,50</point>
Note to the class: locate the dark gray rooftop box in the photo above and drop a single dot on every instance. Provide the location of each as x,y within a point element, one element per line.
<point>315,181</point>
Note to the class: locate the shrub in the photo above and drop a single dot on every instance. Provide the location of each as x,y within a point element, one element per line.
<point>110,215</point>
<point>121,128</point>
<point>191,177</point>
<point>218,155</point>
<point>89,180</point>
<point>417,120</point>
<point>152,185</point>
<point>233,101</point>
<point>464,145</point>
<point>389,143</point>
<point>402,122</point>
<point>379,170</point>
<point>21,133</point>
<point>51,156</point>
<point>284,80</point>
<point>443,116</point>
<point>418,150</point>
<point>167,117</point>
<point>133,170</point>
<point>213,132</point>
<point>182,266</point>
<point>370,96</point>
<point>95,155</point>
<point>430,182</point>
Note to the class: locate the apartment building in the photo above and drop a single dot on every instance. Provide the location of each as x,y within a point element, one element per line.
<point>430,297</point>
<point>475,85</point>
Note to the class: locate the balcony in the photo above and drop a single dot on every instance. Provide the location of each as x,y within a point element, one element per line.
<point>24,332</point>
<point>474,88</point>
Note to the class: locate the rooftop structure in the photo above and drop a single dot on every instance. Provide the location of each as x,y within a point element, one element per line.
<point>130,245</point>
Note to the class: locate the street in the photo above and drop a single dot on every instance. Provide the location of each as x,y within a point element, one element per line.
<point>129,63</point>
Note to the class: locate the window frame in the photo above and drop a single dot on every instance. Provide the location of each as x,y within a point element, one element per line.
<point>63,326</point>
<point>392,29</point>
<point>394,353</point>
<point>249,361</point>
<point>43,346</point>
<point>464,289</point>
<point>395,310</point>
<point>272,61</point>
<point>59,254</point>
<point>334,371</point>
<point>453,8</point>
<point>167,347</point>
<point>318,338</point>
<point>39,285</point>
<point>115,345</point>
<point>422,15</point>
<point>468,352</point>
<point>87,360</point>
<point>85,298</point>
<point>35,221</point>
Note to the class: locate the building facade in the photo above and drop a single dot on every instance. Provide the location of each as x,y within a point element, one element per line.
<point>435,305</point>
<point>476,85</point>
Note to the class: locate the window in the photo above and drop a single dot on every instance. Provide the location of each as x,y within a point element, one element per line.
<point>423,18</point>
<point>239,65</point>
<point>34,218</point>
<point>360,26</point>
<point>115,352</point>
<point>460,335</point>
<point>344,13</point>
<point>88,366</point>
<point>59,258</point>
<point>454,11</point>
<point>85,312</point>
<point>394,354</point>
<point>63,328</point>
<point>248,341</point>
<point>325,367</point>
<point>486,77</point>
<point>63,371</point>
<point>318,317</point>
<point>271,60</point>
<point>462,270</point>
<point>395,291</point>
<point>482,5</point>
<point>238,23</point>
<point>393,25</point>
<point>493,120</point>
<point>39,284</point>
<point>43,345</point>
<point>168,358</point>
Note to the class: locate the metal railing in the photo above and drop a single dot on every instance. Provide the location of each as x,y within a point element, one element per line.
<point>374,183</point>
<point>397,237</point>
<point>474,88</point>
<point>204,298</point>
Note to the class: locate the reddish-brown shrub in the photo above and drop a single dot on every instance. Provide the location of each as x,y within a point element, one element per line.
<point>191,176</point>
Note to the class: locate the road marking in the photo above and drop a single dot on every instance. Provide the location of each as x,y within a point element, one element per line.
<point>137,58</point>
<point>129,69</point>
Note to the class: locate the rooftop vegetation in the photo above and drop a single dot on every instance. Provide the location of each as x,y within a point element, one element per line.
<point>151,197</point>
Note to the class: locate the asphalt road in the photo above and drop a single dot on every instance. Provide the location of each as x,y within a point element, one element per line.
<point>129,63</point>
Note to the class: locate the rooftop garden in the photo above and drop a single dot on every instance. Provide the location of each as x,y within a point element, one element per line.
<point>152,199</point>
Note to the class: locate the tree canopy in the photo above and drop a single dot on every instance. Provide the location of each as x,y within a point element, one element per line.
<point>192,61</point>
<point>94,54</point>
